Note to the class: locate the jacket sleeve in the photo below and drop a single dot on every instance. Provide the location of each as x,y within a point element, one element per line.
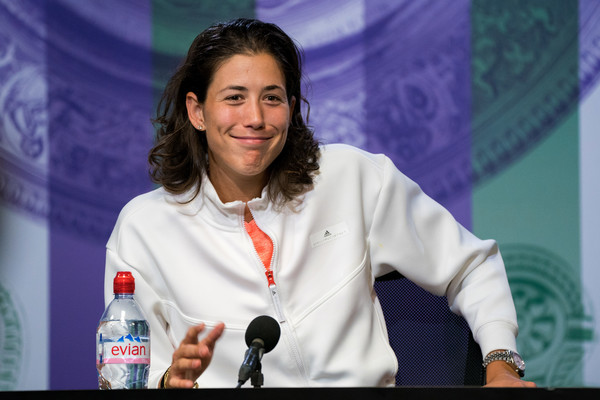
<point>416,236</point>
<point>161,349</point>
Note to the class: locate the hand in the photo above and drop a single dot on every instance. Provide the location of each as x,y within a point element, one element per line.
<point>192,357</point>
<point>500,374</point>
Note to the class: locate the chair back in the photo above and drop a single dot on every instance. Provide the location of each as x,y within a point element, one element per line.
<point>434,346</point>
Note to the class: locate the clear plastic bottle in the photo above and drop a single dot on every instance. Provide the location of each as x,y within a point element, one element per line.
<point>123,340</point>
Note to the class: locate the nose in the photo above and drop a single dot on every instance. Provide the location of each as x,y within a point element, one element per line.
<point>254,115</point>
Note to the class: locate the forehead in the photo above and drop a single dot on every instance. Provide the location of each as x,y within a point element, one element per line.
<point>249,67</point>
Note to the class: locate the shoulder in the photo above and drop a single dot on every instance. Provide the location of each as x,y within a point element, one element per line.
<point>141,212</point>
<point>342,163</point>
<point>352,162</point>
<point>345,155</point>
<point>144,203</point>
<point>347,170</point>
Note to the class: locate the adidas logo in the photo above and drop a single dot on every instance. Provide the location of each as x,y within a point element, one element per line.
<point>328,234</point>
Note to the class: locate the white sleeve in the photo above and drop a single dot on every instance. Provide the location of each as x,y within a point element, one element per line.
<point>420,239</point>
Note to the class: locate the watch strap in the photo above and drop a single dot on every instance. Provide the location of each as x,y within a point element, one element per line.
<point>507,356</point>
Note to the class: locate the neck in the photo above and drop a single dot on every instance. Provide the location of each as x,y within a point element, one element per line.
<point>240,189</point>
<point>231,190</point>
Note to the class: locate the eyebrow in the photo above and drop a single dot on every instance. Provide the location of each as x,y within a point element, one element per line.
<point>234,87</point>
<point>245,89</point>
<point>274,87</point>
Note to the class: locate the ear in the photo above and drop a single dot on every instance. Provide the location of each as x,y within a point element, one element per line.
<point>195,111</point>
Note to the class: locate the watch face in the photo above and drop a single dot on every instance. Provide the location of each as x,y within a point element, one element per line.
<point>518,361</point>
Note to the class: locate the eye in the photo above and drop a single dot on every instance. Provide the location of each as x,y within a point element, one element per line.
<point>234,98</point>
<point>273,98</point>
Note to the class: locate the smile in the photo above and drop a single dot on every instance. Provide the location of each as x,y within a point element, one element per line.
<point>252,140</point>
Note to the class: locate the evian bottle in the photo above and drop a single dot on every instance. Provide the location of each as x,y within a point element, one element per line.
<point>123,340</point>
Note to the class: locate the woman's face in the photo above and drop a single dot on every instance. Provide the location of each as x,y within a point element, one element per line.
<point>246,117</point>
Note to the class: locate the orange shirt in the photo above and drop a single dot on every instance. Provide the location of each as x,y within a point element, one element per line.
<point>264,247</point>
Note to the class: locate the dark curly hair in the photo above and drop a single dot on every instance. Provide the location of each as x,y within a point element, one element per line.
<point>179,157</point>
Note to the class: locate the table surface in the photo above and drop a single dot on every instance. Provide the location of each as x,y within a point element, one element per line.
<point>404,393</point>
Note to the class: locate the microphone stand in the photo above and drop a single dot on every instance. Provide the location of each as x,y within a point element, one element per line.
<point>257,378</point>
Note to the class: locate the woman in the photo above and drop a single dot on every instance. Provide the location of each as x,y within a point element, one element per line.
<point>253,218</point>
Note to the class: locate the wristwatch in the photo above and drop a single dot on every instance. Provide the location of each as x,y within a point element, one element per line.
<point>511,357</point>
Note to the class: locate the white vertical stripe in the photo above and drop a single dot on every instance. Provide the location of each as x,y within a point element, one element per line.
<point>24,275</point>
<point>24,228</point>
<point>589,134</point>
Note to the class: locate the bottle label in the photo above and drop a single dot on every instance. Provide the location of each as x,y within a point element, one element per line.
<point>124,350</point>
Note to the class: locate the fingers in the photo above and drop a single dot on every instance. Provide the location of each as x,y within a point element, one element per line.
<point>176,382</point>
<point>190,347</point>
<point>207,345</point>
<point>511,382</point>
<point>192,356</point>
<point>191,336</point>
<point>210,340</point>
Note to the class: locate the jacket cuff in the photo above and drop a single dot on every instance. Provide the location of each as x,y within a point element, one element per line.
<point>495,336</point>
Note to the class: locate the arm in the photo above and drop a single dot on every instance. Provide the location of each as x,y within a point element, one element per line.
<point>433,250</point>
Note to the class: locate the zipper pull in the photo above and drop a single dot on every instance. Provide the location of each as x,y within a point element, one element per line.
<point>270,278</point>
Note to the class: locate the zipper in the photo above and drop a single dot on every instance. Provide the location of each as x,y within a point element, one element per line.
<point>289,335</point>
<point>277,303</point>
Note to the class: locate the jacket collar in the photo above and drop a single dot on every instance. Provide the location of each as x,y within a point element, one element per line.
<point>208,204</point>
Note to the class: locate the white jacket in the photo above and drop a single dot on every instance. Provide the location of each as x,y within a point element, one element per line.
<point>195,263</point>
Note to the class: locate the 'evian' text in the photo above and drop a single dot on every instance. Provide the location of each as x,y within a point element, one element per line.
<point>128,350</point>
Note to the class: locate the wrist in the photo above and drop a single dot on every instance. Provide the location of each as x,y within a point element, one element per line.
<point>508,358</point>
<point>499,370</point>
<point>163,382</point>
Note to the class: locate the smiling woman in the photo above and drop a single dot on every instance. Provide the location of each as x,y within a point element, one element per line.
<point>255,218</point>
<point>230,67</point>
<point>245,117</point>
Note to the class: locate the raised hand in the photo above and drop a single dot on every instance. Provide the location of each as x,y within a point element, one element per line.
<point>192,357</point>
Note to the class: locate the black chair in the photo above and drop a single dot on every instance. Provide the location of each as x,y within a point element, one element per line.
<point>434,346</point>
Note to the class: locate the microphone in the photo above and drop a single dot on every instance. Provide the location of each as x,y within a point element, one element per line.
<point>262,336</point>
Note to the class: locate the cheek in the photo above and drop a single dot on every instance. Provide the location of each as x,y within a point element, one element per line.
<point>281,142</point>
<point>221,118</point>
<point>283,120</point>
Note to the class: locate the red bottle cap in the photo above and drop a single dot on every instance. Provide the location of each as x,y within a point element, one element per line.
<point>124,282</point>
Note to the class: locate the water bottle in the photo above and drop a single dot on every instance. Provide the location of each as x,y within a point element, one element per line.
<point>123,340</point>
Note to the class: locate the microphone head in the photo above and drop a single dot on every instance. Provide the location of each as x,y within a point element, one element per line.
<point>264,328</point>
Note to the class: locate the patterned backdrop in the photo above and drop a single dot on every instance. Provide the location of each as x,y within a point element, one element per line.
<point>493,107</point>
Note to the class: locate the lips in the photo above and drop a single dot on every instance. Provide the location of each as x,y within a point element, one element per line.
<point>252,139</point>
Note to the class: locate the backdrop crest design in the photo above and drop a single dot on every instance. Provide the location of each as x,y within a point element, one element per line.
<point>483,103</point>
